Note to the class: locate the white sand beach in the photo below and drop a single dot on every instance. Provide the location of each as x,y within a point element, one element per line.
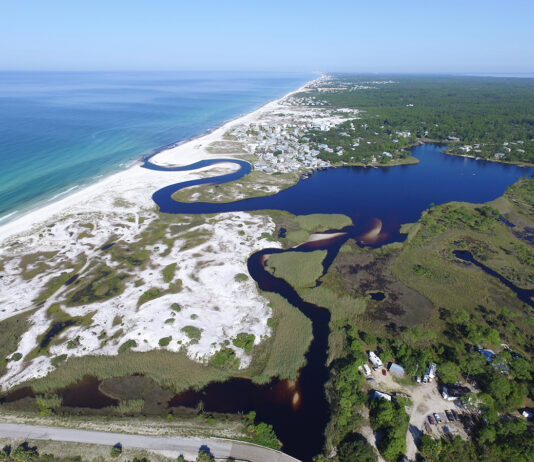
<point>67,236</point>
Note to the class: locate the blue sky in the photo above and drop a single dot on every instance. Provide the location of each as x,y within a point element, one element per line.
<point>490,36</point>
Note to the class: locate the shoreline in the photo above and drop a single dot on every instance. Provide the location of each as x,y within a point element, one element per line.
<point>172,154</point>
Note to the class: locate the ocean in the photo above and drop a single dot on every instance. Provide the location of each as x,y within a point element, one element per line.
<point>60,131</point>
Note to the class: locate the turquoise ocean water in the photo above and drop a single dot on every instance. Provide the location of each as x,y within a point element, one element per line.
<point>60,131</point>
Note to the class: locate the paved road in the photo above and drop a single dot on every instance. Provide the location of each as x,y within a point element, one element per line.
<point>188,447</point>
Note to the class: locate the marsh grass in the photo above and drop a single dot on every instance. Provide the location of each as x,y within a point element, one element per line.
<point>341,306</point>
<point>300,269</point>
<point>130,406</point>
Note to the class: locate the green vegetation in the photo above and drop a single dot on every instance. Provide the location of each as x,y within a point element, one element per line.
<point>241,277</point>
<point>11,329</point>
<point>204,456</point>
<point>490,115</point>
<point>164,341</point>
<point>168,272</point>
<point>261,433</point>
<point>104,284</point>
<point>116,451</point>
<point>150,294</point>
<point>225,358</point>
<point>254,184</point>
<point>59,322</point>
<point>300,269</point>
<point>194,333</point>
<point>391,419</point>
<point>467,309</point>
<point>48,404</point>
<point>130,406</point>
<point>318,222</point>
<point>356,448</point>
<point>245,341</point>
<point>127,345</point>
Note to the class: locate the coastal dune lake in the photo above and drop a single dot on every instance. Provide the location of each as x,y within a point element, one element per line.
<point>378,200</point>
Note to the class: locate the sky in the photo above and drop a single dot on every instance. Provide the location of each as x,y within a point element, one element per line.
<point>434,36</point>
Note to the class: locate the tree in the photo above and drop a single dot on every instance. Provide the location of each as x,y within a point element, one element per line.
<point>492,337</point>
<point>24,453</point>
<point>355,448</point>
<point>116,450</point>
<point>204,456</point>
<point>430,448</point>
<point>448,372</point>
<point>393,444</point>
<point>382,414</point>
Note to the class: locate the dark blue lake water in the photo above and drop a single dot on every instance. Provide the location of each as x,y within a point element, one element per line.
<point>394,195</point>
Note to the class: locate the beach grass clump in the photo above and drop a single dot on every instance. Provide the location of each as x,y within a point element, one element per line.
<point>244,341</point>
<point>241,277</point>
<point>164,341</point>
<point>168,272</point>
<point>194,333</point>
<point>57,360</point>
<point>150,294</point>
<point>127,345</point>
<point>300,269</point>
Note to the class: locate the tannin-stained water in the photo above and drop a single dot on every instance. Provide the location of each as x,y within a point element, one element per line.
<point>378,200</point>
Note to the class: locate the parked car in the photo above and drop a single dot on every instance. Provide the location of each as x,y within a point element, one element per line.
<point>428,428</point>
<point>450,418</point>
<point>384,372</point>
<point>431,420</point>
<point>454,414</point>
<point>437,417</point>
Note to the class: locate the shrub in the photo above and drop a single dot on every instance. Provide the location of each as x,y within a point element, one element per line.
<point>204,456</point>
<point>150,294</point>
<point>47,404</point>
<point>116,451</point>
<point>168,272</point>
<point>245,341</point>
<point>194,333</point>
<point>23,453</point>
<point>127,345</point>
<point>164,341</point>
<point>225,358</point>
